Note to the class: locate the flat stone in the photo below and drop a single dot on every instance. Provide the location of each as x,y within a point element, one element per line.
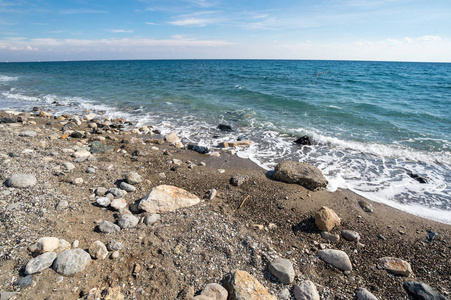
<point>62,205</point>
<point>81,154</point>
<point>127,221</point>
<point>23,282</point>
<point>336,258</point>
<point>98,147</point>
<point>101,191</point>
<point>422,291</point>
<point>364,294</point>
<point>282,269</point>
<point>103,201</point>
<point>326,219</point>
<point>117,192</point>
<point>7,295</point>
<point>303,174</point>
<point>40,263</point>
<point>306,290</point>
<point>167,198</point>
<point>108,227</point>
<point>127,187</point>
<point>239,179</point>
<point>71,262</point>
<point>21,180</point>
<point>350,235</point>
<point>151,219</point>
<point>98,250</point>
<point>215,291</point>
<point>242,286</point>
<point>90,170</point>
<point>28,133</point>
<point>68,166</point>
<point>366,206</point>
<point>330,237</point>
<point>133,178</point>
<point>396,266</point>
<point>47,244</point>
<point>118,204</point>
<point>114,245</point>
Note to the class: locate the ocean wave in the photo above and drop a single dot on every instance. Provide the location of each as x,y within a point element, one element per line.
<point>4,78</point>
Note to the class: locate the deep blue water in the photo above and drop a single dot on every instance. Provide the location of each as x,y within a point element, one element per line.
<point>372,122</point>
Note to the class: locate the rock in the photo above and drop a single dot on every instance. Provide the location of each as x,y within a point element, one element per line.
<point>431,235</point>
<point>329,236</point>
<point>108,227</point>
<point>336,258</point>
<point>62,205</point>
<point>103,201</point>
<point>28,133</point>
<point>187,293</point>
<point>242,286</point>
<point>285,294</point>
<point>199,149</point>
<point>40,263</point>
<point>23,282</point>
<point>304,174</point>
<point>239,179</point>
<point>151,219</point>
<point>127,221</point>
<point>282,269</point>
<point>98,250</point>
<point>114,245</point>
<point>215,291</point>
<point>101,191</point>
<point>133,178</point>
<point>78,181</point>
<point>232,144</point>
<point>326,219</point>
<point>21,180</point>
<point>118,204</point>
<point>68,167</point>
<point>115,255</point>
<point>127,187</point>
<point>7,295</point>
<point>117,192</point>
<point>81,154</point>
<point>202,297</point>
<point>45,244</point>
<point>224,127</point>
<point>364,294</point>
<point>396,266</point>
<point>63,245</point>
<point>304,140</point>
<point>90,170</point>
<point>421,291</point>
<point>167,198</point>
<point>98,147</point>
<point>75,244</point>
<point>76,135</point>
<point>172,137</point>
<point>211,194</point>
<point>366,206</point>
<point>306,290</point>
<point>8,120</point>
<point>71,262</point>
<point>112,293</point>
<point>350,235</point>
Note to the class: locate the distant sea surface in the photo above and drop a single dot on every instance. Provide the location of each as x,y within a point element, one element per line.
<point>373,124</point>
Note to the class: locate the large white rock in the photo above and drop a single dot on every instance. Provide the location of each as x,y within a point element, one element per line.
<point>71,262</point>
<point>21,180</point>
<point>40,263</point>
<point>167,198</point>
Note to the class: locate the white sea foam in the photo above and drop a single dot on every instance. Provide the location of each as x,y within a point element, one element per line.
<point>4,78</point>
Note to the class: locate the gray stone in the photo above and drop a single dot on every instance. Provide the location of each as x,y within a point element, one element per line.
<point>68,166</point>
<point>239,179</point>
<point>101,191</point>
<point>127,221</point>
<point>127,187</point>
<point>306,290</point>
<point>62,205</point>
<point>350,235</point>
<point>21,180</point>
<point>366,206</point>
<point>422,291</point>
<point>215,292</point>
<point>90,170</point>
<point>23,282</point>
<point>98,250</point>
<point>103,201</point>
<point>396,266</point>
<point>133,178</point>
<point>285,294</point>
<point>118,204</point>
<point>330,237</point>
<point>98,147</point>
<point>282,269</point>
<point>7,295</point>
<point>364,294</point>
<point>211,194</point>
<point>40,263</point>
<point>117,192</point>
<point>167,198</point>
<point>108,227</point>
<point>151,219</point>
<point>301,173</point>
<point>114,245</point>
<point>28,133</point>
<point>71,262</point>
<point>336,258</point>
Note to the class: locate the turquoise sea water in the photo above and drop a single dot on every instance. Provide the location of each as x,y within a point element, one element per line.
<point>372,123</point>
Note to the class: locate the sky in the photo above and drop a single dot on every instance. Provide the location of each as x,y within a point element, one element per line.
<point>382,30</point>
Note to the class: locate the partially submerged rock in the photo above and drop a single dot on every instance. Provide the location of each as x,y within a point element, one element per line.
<point>304,174</point>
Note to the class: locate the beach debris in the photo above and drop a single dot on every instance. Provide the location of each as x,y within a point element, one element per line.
<point>239,179</point>
<point>282,269</point>
<point>167,198</point>
<point>232,144</point>
<point>241,285</point>
<point>224,127</point>
<point>21,180</point>
<point>304,140</point>
<point>242,203</point>
<point>417,177</point>
<point>304,174</point>
<point>326,219</point>
<point>306,290</point>
<point>431,235</point>
<point>364,294</point>
<point>421,291</point>
<point>396,266</point>
<point>199,149</point>
<point>336,258</point>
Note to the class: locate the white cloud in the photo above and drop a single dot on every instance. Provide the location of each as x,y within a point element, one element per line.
<point>150,23</point>
<point>81,11</point>
<point>428,38</point>
<point>120,31</point>
<point>194,22</point>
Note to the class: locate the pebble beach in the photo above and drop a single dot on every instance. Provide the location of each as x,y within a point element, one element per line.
<point>96,208</point>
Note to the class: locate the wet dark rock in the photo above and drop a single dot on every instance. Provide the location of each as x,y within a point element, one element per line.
<point>224,127</point>
<point>421,291</point>
<point>76,135</point>
<point>417,177</point>
<point>199,149</point>
<point>8,120</point>
<point>11,154</point>
<point>24,281</point>
<point>304,140</point>
<point>431,235</point>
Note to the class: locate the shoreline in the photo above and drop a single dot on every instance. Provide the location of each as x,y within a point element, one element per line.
<point>177,243</point>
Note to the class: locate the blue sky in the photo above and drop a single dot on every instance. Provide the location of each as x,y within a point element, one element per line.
<point>399,30</point>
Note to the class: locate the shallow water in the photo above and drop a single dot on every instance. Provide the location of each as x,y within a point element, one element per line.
<point>372,123</point>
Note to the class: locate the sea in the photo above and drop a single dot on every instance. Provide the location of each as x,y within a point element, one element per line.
<point>380,129</point>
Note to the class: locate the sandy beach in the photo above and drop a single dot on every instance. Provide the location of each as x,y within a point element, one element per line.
<point>244,227</point>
